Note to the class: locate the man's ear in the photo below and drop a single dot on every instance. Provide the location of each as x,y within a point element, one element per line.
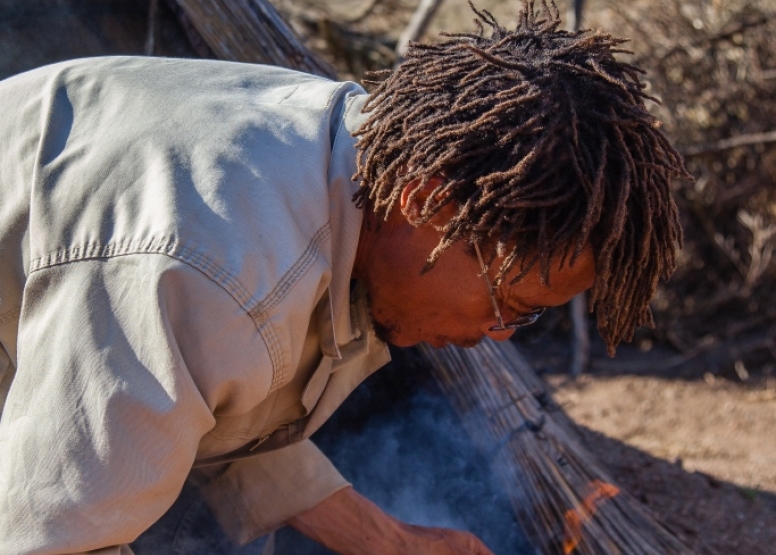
<point>414,197</point>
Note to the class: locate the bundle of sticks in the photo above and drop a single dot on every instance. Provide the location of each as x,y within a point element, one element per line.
<point>562,497</point>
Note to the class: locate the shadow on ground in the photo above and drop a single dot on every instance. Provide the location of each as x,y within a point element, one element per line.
<point>693,505</point>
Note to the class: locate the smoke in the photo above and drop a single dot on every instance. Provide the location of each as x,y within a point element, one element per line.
<point>398,441</point>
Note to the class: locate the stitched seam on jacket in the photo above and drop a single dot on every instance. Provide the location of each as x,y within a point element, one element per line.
<point>166,246</point>
<point>169,247</point>
<point>267,332</point>
<point>284,285</point>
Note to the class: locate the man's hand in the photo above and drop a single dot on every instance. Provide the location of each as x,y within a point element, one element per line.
<point>350,524</point>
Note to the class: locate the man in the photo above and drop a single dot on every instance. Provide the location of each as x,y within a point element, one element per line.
<point>186,282</point>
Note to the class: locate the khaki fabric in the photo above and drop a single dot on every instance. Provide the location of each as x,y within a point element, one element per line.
<point>176,244</point>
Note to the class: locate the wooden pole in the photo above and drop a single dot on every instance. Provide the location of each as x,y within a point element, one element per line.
<point>417,25</point>
<point>732,142</point>
<point>574,15</point>
<point>153,25</point>
<point>581,356</point>
<point>251,31</point>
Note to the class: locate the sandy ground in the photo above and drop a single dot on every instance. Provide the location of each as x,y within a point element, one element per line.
<point>698,450</point>
<point>719,428</point>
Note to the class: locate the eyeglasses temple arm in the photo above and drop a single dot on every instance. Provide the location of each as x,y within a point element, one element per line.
<point>490,286</point>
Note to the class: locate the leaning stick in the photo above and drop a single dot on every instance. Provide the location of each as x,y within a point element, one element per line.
<point>251,31</point>
<point>578,311</point>
<point>417,25</point>
<point>153,25</point>
<point>732,142</point>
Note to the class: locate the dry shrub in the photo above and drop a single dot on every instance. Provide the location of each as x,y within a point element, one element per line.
<point>713,64</point>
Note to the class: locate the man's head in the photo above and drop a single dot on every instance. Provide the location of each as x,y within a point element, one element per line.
<point>535,144</point>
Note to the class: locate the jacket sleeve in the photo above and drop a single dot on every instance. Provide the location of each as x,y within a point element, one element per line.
<point>253,496</point>
<point>111,397</point>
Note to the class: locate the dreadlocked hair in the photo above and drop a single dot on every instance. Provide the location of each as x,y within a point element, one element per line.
<point>545,146</point>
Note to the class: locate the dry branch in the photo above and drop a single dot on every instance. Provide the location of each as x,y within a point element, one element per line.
<point>551,479</point>
<point>724,35</point>
<point>153,25</point>
<point>710,65</point>
<point>724,350</point>
<point>417,25</point>
<point>251,31</point>
<point>732,142</point>
<point>578,310</point>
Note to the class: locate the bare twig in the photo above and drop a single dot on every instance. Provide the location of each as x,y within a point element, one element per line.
<point>732,142</point>
<point>715,238</point>
<point>745,187</point>
<point>153,25</point>
<point>726,34</point>
<point>417,25</point>
<point>723,350</point>
<point>581,358</point>
<point>760,249</point>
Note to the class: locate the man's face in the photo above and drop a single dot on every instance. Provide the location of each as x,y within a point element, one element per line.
<point>450,304</point>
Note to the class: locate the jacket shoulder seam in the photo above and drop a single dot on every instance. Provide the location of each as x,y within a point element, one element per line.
<point>260,311</point>
<point>257,311</point>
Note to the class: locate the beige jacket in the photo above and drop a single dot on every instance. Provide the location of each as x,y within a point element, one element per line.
<point>176,244</point>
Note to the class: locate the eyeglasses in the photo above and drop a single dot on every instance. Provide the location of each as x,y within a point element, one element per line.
<point>522,320</point>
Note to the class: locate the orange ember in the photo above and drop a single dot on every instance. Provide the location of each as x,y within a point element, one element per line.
<point>575,518</point>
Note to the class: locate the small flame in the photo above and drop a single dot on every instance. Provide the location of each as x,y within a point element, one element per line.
<point>576,518</point>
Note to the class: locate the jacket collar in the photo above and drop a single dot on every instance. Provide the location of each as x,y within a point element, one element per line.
<point>336,325</point>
